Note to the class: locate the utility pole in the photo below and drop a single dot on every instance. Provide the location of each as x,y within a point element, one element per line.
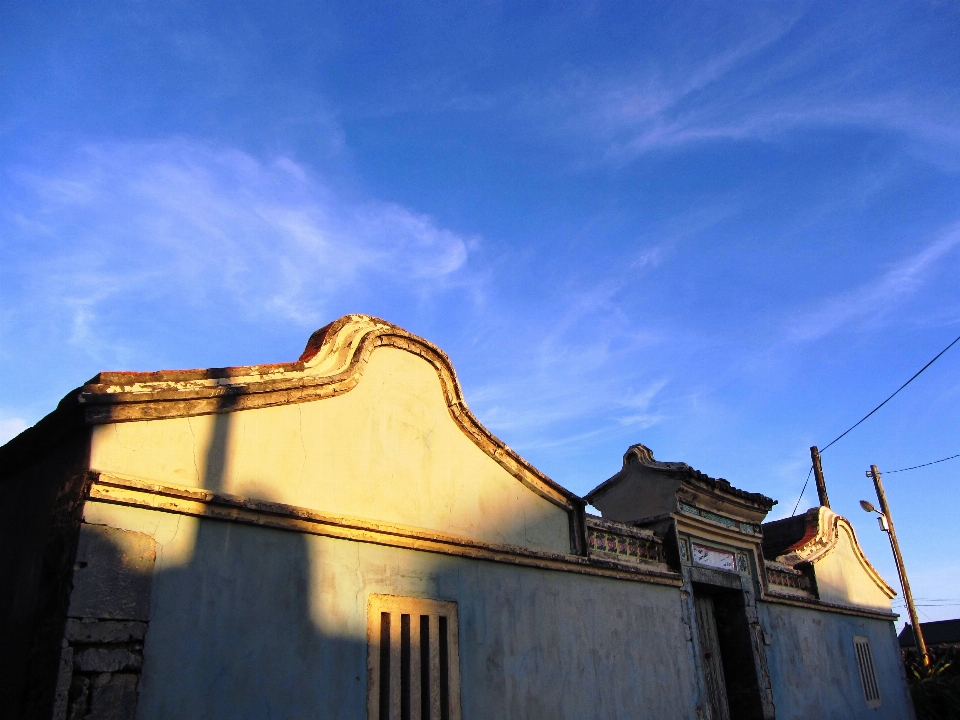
<point>818,476</point>
<point>886,524</point>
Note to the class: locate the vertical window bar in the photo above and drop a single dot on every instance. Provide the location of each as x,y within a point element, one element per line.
<point>868,674</point>
<point>395,679</point>
<point>873,673</point>
<point>384,666</point>
<point>865,672</point>
<point>434,668</point>
<point>424,667</point>
<point>416,666</point>
<point>444,672</point>
<point>867,686</point>
<point>404,667</point>
<point>453,667</point>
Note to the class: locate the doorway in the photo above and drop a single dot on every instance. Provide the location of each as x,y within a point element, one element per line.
<point>711,657</point>
<point>727,657</point>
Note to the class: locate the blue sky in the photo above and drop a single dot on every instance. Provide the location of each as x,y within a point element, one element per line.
<point>725,232</point>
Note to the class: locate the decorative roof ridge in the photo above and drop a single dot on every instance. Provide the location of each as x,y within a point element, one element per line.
<point>639,453</point>
<point>780,537</point>
<point>330,352</point>
<point>621,527</point>
<point>644,456</point>
<point>325,353</point>
<point>129,377</point>
<point>781,566</point>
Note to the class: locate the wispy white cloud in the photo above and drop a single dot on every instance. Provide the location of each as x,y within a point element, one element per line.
<point>196,225</point>
<point>870,302</point>
<point>574,371</point>
<point>751,89</point>
<point>759,119</point>
<point>639,106</point>
<point>593,357</point>
<point>639,403</point>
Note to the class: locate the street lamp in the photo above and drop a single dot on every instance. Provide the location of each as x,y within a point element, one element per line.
<point>882,519</point>
<point>886,524</point>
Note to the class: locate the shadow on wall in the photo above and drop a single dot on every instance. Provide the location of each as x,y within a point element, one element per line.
<point>232,634</point>
<point>266,623</point>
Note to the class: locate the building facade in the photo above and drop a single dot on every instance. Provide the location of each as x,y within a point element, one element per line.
<point>339,537</point>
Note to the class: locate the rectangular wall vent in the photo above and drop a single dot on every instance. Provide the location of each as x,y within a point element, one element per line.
<point>868,675</point>
<point>413,659</point>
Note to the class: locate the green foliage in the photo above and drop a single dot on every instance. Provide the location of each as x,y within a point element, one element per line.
<point>936,687</point>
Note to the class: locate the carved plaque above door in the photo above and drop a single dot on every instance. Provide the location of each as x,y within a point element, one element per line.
<point>713,557</point>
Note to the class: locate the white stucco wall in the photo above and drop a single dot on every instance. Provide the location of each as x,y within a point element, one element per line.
<point>387,450</point>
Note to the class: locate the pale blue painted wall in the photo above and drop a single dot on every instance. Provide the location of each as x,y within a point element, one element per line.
<point>814,671</point>
<point>247,629</point>
<point>262,623</point>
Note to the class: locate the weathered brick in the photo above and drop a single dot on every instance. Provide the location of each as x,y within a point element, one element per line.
<point>79,697</point>
<point>114,697</point>
<point>105,631</point>
<point>106,660</point>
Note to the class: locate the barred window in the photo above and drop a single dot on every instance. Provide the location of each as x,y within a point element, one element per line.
<point>413,659</point>
<point>868,676</point>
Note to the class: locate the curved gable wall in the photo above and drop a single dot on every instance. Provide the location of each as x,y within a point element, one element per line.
<point>843,579</point>
<point>387,450</point>
<point>844,575</point>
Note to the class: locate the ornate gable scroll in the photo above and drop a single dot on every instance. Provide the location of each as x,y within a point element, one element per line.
<point>332,364</point>
<point>391,441</point>
<point>844,575</point>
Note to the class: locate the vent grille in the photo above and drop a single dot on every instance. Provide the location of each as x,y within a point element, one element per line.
<point>413,659</point>
<point>868,675</point>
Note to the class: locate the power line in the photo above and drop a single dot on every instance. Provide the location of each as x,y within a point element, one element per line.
<point>919,605</point>
<point>894,394</point>
<point>920,466</point>
<point>841,435</point>
<point>801,492</point>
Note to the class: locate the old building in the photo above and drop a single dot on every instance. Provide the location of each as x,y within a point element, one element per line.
<point>937,633</point>
<point>339,537</point>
